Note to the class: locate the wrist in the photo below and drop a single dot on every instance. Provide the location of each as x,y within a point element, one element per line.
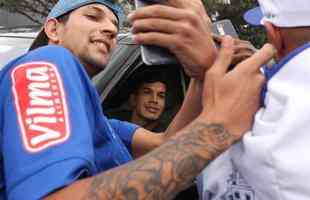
<point>215,137</point>
<point>215,119</point>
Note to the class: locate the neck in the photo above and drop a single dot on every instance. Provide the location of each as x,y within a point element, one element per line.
<point>147,124</point>
<point>294,38</point>
<point>91,71</point>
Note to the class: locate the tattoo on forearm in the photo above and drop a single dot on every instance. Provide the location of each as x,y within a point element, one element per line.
<point>165,171</point>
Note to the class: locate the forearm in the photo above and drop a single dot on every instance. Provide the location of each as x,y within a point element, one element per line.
<point>160,174</point>
<point>190,108</point>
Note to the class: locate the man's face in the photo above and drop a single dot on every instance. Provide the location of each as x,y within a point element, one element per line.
<point>90,33</point>
<point>149,100</point>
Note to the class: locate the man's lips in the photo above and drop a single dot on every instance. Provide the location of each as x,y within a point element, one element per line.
<point>102,44</point>
<point>152,109</point>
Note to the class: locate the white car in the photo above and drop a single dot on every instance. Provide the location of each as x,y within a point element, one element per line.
<point>15,42</point>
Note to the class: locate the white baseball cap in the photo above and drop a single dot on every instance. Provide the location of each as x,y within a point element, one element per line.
<point>281,13</point>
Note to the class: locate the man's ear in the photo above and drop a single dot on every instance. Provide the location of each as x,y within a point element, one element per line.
<point>51,30</point>
<point>275,37</point>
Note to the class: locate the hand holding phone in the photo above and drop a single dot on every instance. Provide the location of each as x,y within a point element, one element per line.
<point>154,55</point>
<point>191,45</point>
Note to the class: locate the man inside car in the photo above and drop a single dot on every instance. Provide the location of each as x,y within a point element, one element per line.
<point>56,142</point>
<point>148,102</point>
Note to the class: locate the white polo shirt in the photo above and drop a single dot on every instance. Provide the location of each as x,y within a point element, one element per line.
<point>272,161</point>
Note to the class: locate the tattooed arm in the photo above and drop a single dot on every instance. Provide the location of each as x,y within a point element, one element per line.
<point>160,174</point>
<point>230,105</point>
<point>165,171</point>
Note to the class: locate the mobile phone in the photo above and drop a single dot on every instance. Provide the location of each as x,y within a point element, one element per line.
<point>224,27</point>
<point>154,55</point>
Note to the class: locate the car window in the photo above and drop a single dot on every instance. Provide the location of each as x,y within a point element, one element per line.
<point>117,81</point>
<point>117,105</point>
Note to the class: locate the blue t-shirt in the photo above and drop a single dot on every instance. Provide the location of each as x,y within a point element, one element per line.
<point>52,128</point>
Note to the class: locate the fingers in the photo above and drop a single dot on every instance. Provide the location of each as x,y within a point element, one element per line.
<point>217,38</point>
<point>157,11</point>
<point>261,57</point>
<point>155,25</point>
<point>224,57</point>
<point>244,47</point>
<point>154,38</point>
<point>193,4</point>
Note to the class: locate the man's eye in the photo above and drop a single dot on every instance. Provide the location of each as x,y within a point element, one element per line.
<point>146,91</point>
<point>91,17</point>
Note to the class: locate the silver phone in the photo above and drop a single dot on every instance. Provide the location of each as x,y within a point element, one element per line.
<point>224,27</point>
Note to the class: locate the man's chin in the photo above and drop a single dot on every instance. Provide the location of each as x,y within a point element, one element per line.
<point>100,63</point>
<point>152,118</point>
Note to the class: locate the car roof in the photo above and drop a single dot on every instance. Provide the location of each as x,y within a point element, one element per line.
<point>15,41</point>
<point>20,31</point>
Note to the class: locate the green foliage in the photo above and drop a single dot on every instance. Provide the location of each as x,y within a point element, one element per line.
<point>235,12</point>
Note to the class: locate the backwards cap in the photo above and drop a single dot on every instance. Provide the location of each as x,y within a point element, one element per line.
<point>65,6</point>
<point>281,13</point>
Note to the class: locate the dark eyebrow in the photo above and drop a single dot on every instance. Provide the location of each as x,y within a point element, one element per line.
<point>99,10</point>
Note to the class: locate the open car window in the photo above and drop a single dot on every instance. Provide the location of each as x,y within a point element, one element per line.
<point>116,82</point>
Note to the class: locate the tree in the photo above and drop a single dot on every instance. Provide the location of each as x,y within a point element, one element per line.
<point>234,10</point>
<point>35,10</point>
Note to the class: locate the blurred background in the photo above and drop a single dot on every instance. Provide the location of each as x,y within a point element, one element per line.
<point>32,12</point>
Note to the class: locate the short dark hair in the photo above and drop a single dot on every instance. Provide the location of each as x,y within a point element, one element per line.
<point>149,76</point>
<point>64,18</point>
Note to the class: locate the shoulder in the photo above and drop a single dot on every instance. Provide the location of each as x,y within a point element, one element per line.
<point>50,52</point>
<point>50,49</point>
<point>51,57</point>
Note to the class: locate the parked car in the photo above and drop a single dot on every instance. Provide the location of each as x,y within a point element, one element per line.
<point>15,41</point>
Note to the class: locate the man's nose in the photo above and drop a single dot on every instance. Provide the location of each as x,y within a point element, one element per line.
<point>109,29</point>
<point>154,98</point>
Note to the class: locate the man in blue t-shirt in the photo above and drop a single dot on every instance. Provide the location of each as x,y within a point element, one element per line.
<point>57,144</point>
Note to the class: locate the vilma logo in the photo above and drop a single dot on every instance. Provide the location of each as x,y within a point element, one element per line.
<point>41,105</point>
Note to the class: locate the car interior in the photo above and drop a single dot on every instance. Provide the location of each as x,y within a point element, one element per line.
<point>124,74</point>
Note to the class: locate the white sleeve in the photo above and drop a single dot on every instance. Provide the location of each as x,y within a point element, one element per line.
<point>272,158</point>
<point>270,162</point>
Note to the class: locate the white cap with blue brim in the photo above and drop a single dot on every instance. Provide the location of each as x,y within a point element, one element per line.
<point>281,13</point>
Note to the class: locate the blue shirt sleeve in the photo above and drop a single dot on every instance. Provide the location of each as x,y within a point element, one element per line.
<point>46,145</point>
<point>125,131</point>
